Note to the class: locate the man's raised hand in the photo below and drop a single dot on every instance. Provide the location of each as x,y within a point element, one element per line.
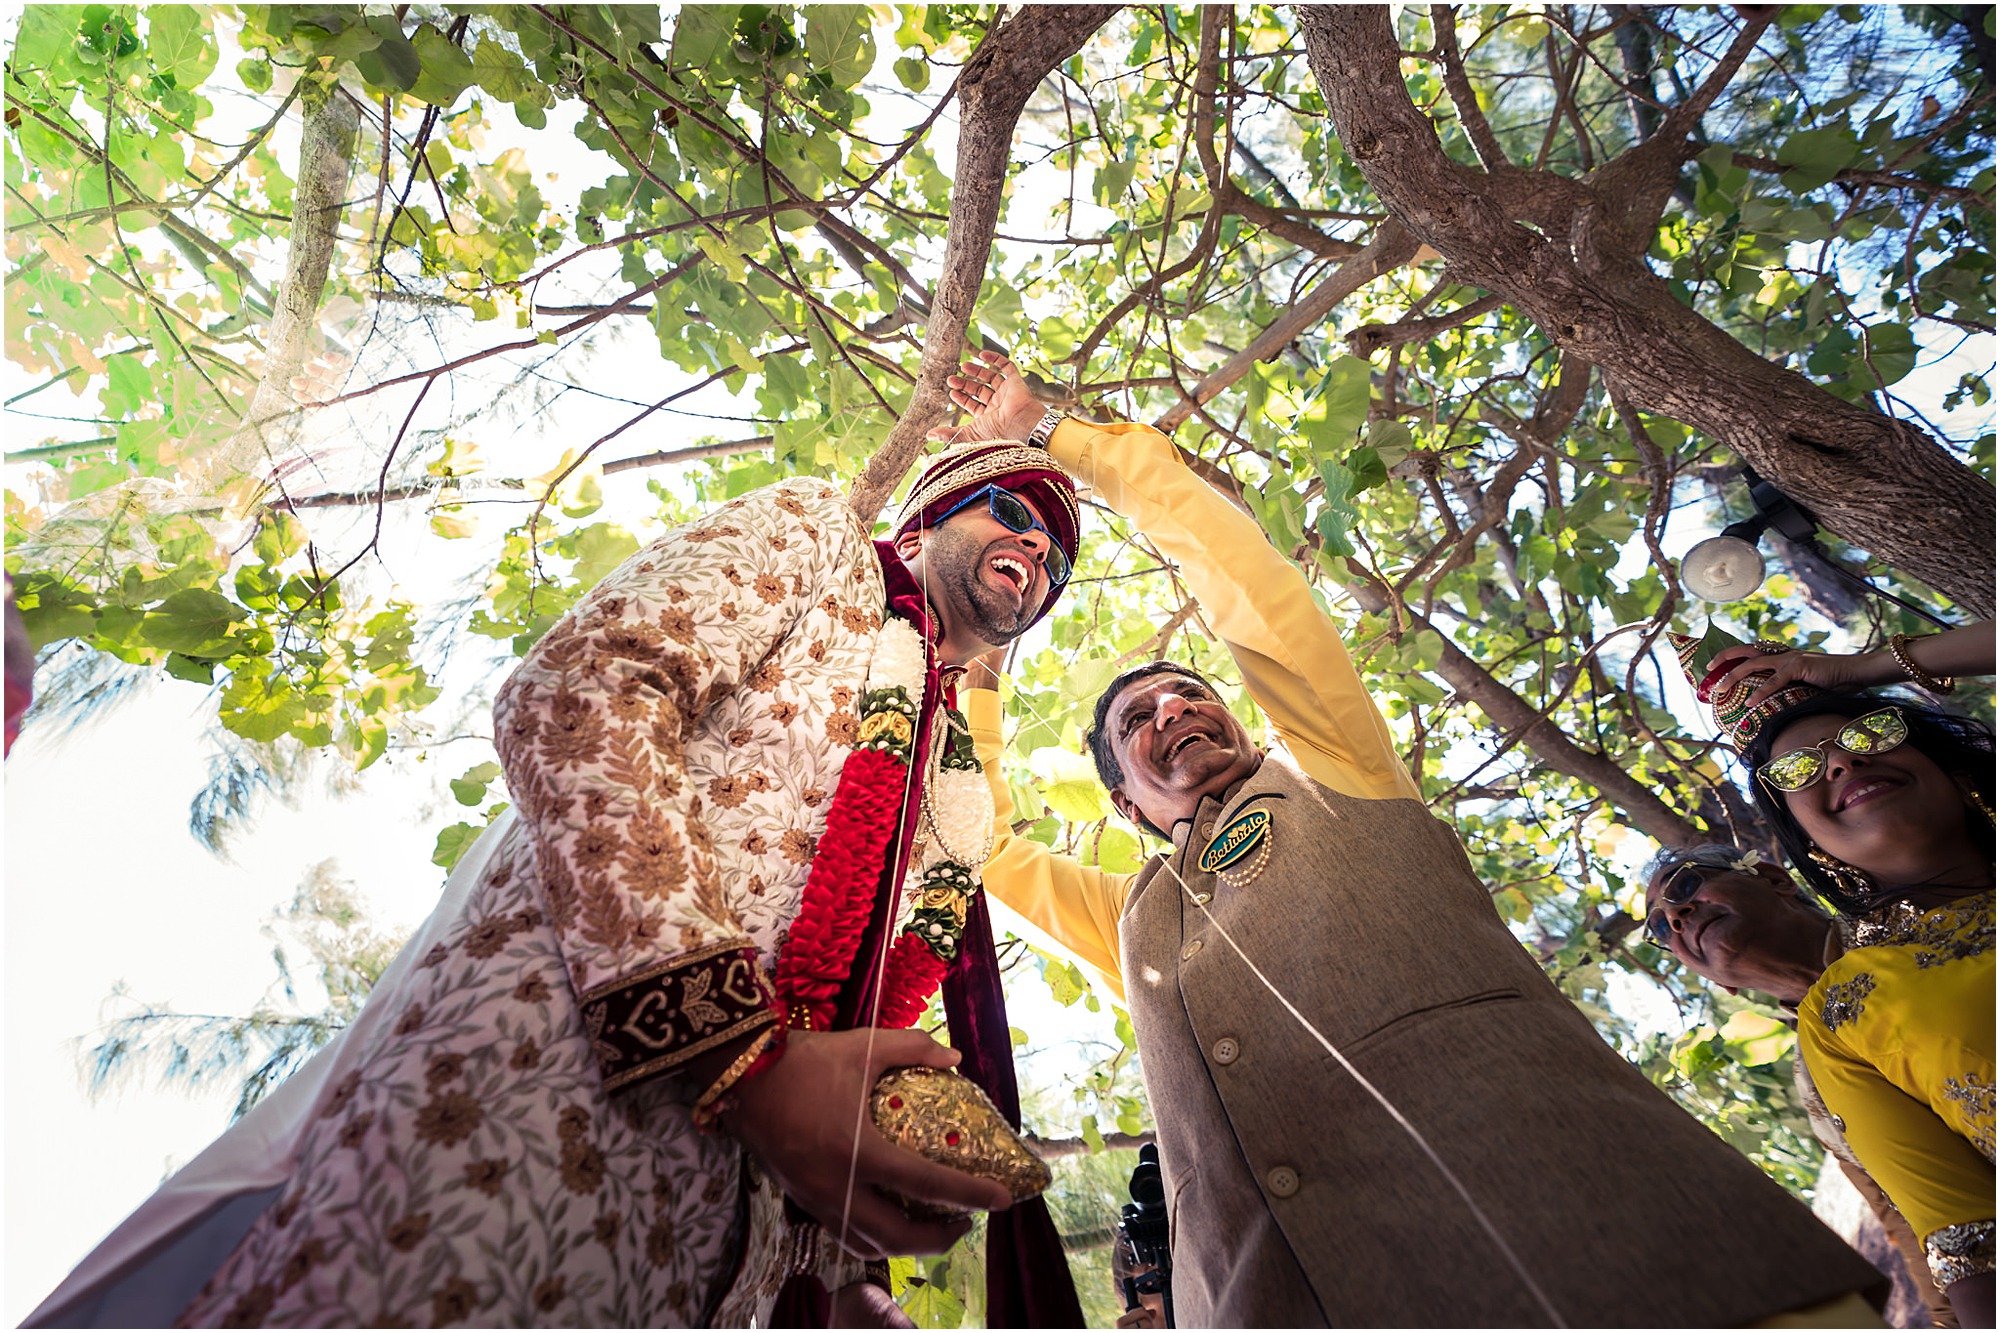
<point>805,1119</point>
<point>995,394</point>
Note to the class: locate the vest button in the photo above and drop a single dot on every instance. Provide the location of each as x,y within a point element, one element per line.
<point>1193,948</point>
<point>1207,831</point>
<point>1226,1051</point>
<point>1201,899</point>
<point>1283,1182</point>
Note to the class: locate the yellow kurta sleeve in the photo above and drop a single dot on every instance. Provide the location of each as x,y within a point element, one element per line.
<point>1291,655</point>
<point>1074,907</point>
<point>1913,1091</point>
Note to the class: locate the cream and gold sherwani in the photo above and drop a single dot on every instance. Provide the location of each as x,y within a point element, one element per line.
<point>501,1138</point>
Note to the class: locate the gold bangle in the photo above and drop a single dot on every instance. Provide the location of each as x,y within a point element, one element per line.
<point>709,1104</point>
<point>1900,650</point>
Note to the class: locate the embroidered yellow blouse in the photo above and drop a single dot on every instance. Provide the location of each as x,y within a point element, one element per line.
<point>1288,650</point>
<point>1898,1036</point>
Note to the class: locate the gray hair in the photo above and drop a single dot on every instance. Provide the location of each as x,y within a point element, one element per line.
<point>1723,856</point>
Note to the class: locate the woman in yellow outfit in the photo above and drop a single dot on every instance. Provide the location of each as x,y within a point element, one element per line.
<point>1886,809</point>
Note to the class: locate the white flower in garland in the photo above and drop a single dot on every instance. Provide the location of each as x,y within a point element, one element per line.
<point>1746,863</point>
<point>961,817</point>
<point>898,660</point>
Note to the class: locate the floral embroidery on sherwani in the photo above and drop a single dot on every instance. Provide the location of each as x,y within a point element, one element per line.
<point>509,1143</point>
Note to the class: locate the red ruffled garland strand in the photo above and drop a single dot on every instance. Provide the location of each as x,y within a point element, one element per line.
<point>840,888</point>
<point>914,974</point>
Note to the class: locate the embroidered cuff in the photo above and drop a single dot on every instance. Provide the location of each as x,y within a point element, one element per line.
<point>663,1017</point>
<point>1958,1252</point>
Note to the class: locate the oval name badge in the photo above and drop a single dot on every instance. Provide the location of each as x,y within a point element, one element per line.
<point>1235,841</point>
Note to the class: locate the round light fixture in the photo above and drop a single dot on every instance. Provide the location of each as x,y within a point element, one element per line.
<point>1722,569</point>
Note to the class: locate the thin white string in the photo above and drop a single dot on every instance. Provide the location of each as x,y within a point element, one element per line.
<point>1395,1114</point>
<point>888,937</point>
<point>1451,1177</point>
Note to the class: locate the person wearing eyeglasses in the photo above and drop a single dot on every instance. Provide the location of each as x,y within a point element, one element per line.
<point>1744,924</point>
<point>1885,808</point>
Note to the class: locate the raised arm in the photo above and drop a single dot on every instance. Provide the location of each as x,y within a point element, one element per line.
<point>1967,650</point>
<point>1290,653</point>
<point>1072,906</point>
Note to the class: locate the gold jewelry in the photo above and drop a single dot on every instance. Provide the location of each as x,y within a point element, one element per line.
<point>1979,804</point>
<point>1850,881</point>
<point>710,1103</point>
<point>1899,648</point>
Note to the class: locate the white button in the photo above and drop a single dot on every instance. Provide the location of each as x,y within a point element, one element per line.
<point>1193,948</point>
<point>1283,1181</point>
<point>1201,899</point>
<point>1226,1051</point>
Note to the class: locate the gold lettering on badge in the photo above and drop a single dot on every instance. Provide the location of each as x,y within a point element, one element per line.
<point>1235,842</point>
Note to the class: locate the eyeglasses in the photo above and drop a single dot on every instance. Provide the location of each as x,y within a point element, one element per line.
<point>1013,514</point>
<point>1877,733</point>
<point>1682,883</point>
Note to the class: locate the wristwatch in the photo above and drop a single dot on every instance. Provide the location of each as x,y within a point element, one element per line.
<point>1038,438</point>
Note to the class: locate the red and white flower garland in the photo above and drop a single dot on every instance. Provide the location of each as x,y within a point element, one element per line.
<point>867,810</point>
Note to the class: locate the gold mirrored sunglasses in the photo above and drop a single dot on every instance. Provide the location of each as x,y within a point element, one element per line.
<point>1877,733</point>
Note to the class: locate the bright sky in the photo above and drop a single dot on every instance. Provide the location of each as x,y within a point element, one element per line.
<point>106,886</point>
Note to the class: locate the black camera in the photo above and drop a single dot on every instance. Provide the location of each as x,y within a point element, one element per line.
<point>1142,1228</point>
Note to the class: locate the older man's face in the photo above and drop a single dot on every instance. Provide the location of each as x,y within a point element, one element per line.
<point>1727,925</point>
<point>1175,742</point>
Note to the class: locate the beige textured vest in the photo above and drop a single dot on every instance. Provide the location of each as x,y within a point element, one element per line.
<point>1296,1199</point>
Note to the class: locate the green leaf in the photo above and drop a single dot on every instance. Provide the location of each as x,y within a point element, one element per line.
<point>453,843</point>
<point>1113,179</point>
<point>393,63</point>
<point>179,39</point>
<point>1119,852</point>
<point>470,788</point>
<point>601,548</point>
<point>1816,157</point>
<point>1339,515</point>
<point>447,71</point>
<point>195,621</point>
<point>1091,1134</point>
<point>914,73</point>
<point>255,71</point>
<point>500,72</point>
<point>839,42</point>
<point>1366,465</point>
<point>1064,981</point>
<point>1069,784</point>
<point>702,33</point>
<point>1888,353</point>
<point>1339,406</point>
<point>187,668</point>
<point>932,1306</point>
<point>1391,442</point>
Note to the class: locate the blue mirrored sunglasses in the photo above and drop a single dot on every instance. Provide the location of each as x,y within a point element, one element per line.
<point>1013,514</point>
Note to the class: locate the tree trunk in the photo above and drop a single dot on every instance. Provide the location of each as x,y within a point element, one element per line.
<point>326,159</point>
<point>992,90</point>
<point>1880,483</point>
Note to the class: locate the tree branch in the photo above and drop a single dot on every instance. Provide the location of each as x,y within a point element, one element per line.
<point>1391,248</point>
<point>992,90</point>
